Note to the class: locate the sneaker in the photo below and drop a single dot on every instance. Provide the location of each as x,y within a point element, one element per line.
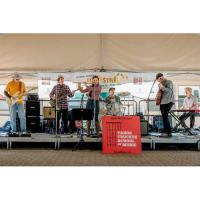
<point>13,134</point>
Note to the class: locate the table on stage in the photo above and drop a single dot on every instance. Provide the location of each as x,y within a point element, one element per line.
<point>182,121</point>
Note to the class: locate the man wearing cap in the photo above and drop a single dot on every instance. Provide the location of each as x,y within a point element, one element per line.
<point>13,87</point>
<point>61,92</point>
<point>113,103</point>
<point>167,101</point>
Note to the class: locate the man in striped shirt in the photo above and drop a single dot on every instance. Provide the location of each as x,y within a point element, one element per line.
<point>60,92</point>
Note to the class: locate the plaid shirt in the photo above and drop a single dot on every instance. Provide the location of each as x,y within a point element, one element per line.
<point>64,91</point>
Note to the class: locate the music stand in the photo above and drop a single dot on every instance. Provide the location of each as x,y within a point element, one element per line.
<point>81,114</point>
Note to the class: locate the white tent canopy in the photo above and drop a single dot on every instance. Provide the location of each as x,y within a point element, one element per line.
<point>118,52</point>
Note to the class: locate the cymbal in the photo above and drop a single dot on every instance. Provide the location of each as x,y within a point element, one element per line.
<point>124,94</point>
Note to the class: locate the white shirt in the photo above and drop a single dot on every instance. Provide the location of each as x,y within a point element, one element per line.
<point>190,103</point>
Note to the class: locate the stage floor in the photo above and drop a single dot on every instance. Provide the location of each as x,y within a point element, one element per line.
<point>152,140</point>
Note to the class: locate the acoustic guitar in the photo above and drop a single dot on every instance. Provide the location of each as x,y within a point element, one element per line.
<point>160,93</point>
<point>159,97</point>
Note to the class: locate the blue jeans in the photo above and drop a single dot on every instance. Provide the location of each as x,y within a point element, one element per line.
<point>13,113</point>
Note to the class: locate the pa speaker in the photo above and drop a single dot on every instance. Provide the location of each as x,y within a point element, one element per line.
<point>33,124</point>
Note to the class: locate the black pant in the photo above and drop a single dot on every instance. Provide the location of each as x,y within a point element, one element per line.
<point>62,113</point>
<point>72,127</point>
<point>90,105</point>
<point>165,108</point>
<point>184,116</point>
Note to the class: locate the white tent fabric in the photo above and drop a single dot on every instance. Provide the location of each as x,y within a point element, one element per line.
<point>80,52</point>
<point>152,52</point>
<point>49,52</point>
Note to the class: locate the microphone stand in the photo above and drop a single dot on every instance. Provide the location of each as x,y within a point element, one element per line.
<point>81,143</point>
<point>81,106</point>
<point>148,99</point>
<point>94,110</point>
<point>56,110</point>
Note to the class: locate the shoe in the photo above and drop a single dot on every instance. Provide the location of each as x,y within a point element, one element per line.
<point>25,134</point>
<point>13,134</point>
<point>192,131</point>
<point>67,133</point>
<point>164,135</point>
<point>99,135</point>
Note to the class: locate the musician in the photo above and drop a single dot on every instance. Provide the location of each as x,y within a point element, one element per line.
<point>13,87</point>
<point>167,101</point>
<point>61,92</point>
<point>94,91</point>
<point>111,102</point>
<point>189,103</point>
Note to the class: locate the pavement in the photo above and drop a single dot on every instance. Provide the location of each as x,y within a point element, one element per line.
<point>65,157</point>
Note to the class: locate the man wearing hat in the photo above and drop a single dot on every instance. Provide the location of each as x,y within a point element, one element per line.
<point>60,92</point>
<point>13,87</point>
<point>167,101</point>
<point>113,103</point>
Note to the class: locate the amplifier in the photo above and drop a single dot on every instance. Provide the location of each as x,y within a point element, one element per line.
<point>32,97</point>
<point>33,124</point>
<point>32,108</point>
<point>49,112</point>
<point>144,127</point>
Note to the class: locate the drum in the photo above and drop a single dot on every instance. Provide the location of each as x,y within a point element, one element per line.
<point>114,109</point>
<point>102,108</point>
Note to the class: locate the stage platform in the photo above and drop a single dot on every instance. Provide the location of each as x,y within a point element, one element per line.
<point>58,140</point>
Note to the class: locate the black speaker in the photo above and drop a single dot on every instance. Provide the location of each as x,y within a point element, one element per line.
<point>33,124</point>
<point>32,97</point>
<point>32,108</point>
<point>144,127</point>
<point>82,114</point>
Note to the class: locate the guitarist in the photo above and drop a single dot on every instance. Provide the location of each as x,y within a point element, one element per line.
<point>12,88</point>
<point>166,101</point>
<point>61,92</point>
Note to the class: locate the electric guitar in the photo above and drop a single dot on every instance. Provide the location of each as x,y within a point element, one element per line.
<point>15,98</point>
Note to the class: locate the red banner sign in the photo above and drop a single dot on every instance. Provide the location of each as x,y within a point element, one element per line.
<point>121,134</point>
